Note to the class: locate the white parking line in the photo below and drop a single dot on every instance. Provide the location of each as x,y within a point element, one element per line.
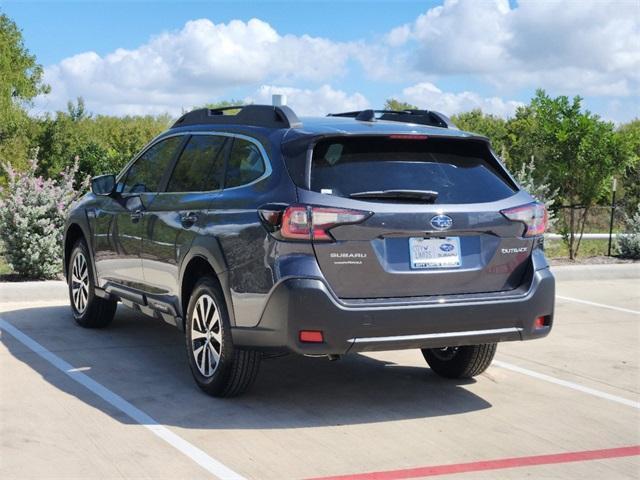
<point>194,453</point>
<point>601,305</point>
<point>564,383</point>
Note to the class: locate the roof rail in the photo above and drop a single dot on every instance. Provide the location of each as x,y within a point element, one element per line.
<point>421,117</point>
<point>255,115</point>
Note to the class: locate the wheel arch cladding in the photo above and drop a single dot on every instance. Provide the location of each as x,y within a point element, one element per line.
<point>73,234</point>
<point>197,267</point>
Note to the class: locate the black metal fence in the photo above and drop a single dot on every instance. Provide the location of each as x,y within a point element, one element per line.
<point>598,219</point>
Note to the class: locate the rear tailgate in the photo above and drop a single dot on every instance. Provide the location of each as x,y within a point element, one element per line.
<point>373,259</point>
<point>460,243</point>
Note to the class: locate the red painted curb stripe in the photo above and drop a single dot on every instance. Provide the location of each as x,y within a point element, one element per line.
<point>492,464</point>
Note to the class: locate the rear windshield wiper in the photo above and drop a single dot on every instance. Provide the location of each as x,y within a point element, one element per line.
<point>428,196</point>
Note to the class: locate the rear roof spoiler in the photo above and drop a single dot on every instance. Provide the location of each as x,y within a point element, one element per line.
<point>267,116</point>
<point>421,117</point>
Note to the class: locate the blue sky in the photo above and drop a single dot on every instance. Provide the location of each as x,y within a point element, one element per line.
<point>151,57</point>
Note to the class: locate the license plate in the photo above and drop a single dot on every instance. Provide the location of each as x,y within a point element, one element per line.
<point>435,252</point>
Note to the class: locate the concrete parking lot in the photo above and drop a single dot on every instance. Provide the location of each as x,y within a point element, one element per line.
<point>120,402</point>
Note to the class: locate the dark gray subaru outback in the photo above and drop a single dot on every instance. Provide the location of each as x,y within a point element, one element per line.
<point>257,232</point>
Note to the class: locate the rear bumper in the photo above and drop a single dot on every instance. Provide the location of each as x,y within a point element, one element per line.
<point>307,304</point>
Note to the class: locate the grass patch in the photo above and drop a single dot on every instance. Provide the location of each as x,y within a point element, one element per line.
<point>5,269</point>
<point>588,248</point>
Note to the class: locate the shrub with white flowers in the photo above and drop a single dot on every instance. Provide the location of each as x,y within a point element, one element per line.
<point>32,216</point>
<point>629,245</point>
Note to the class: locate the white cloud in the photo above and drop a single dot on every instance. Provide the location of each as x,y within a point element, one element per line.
<point>398,36</point>
<point>427,95</point>
<point>461,37</point>
<point>584,48</point>
<point>320,101</point>
<point>191,66</point>
<point>588,48</point>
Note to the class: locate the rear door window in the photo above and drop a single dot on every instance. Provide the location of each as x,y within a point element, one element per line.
<point>458,171</point>
<point>200,166</point>
<point>245,163</point>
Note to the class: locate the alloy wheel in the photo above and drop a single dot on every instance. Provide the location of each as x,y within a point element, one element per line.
<point>80,283</point>
<point>206,335</point>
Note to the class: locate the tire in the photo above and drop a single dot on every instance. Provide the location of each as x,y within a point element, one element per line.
<point>89,311</point>
<point>460,362</point>
<point>208,335</point>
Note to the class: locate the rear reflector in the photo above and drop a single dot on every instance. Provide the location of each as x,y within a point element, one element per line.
<point>540,322</point>
<point>533,215</point>
<point>311,336</point>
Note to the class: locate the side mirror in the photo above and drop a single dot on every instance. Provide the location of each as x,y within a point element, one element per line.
<point>103,184</point>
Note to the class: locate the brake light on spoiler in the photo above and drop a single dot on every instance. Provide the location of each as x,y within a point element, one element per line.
<point>408,136</point>
<point>533,215</point>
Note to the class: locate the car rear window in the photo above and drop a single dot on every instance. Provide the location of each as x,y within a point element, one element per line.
<point>460,171</point>
<point>245,164</point>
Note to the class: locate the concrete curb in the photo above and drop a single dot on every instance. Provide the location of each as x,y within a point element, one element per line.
<point>32,292</point>
<point>610,271</point>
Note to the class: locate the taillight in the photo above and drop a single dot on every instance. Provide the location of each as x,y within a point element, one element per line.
<point>533,215</point>
<point>302,222</point>
<point>296,224</point>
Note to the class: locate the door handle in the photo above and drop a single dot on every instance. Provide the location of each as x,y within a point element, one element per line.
<point>188,220</point>
<point>136,216</point>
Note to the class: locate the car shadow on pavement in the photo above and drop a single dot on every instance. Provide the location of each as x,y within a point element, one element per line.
<point>143,361</point>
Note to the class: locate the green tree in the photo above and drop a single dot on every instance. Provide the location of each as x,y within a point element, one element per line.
<point>578,152</point>
<point>20,75</point>
<point>102,144</point>
<point>629,134</point>
<point>17,141</point>
<point>393,104</point>
<point>224,104</point>
<point>523,142</point>
<point>77,110</point>
<point>491,126</point>
<point>20,82</point>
